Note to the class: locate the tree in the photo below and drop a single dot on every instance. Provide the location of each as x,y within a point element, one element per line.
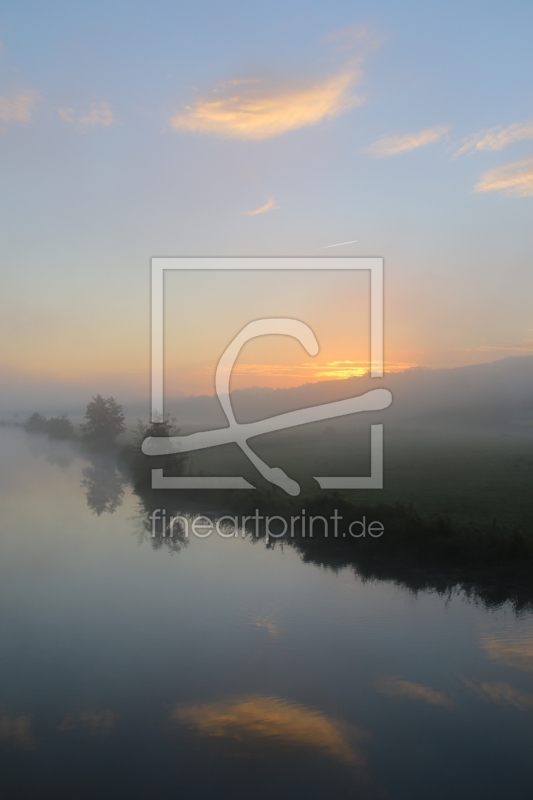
<point>105,421</point>
<point>59,428</point>
<point>140,466</point>
<point>36,423</point>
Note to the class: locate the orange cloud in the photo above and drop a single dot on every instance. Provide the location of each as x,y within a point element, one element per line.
<point>402,143</point>
<point>270,205</point>
<point>255,109</point>
<point>497,138</point>
<point>515,178</point>
<point>18,107</point>
<point>98,114</point>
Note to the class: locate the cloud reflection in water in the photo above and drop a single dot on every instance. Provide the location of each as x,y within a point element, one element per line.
<point>253,722</point>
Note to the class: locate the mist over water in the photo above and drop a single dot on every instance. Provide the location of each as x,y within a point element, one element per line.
<point>134,661</point>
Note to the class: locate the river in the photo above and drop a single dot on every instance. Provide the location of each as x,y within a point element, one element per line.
<point>222,668</point>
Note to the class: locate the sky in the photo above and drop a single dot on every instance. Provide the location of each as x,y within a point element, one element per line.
<point>131,130</point>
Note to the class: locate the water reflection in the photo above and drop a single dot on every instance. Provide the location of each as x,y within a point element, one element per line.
<point>268,624</point>
<point>262,724</point>
<point>60,453</point>
<point>17,731</point>
<point>512,649</point>
<point>106,477</point>
<point>159,533</point>
<point>310,685</point>
<point>394,686</point>
<point>418,573</point>
<point>502,694</point>
<point>97,723</point>
<point>103,484</point>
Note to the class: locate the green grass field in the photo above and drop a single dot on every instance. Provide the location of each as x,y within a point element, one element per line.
<point>466,474</point>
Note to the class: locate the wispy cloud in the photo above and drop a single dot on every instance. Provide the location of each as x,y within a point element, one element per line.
<point>497,138</point>
<point>363,38</point>
<point>515,178</point>
<point>18,107</point>
<point>257,109</point>
<point>98,114</point>
<point>270,205</point>
<point>401,143</point>
<point>339,244</point>
<point>397,687</point>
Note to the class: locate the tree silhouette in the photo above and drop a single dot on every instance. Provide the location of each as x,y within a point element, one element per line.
<point>36,423</point>
<point>59,428</point>
<point>105,421</point>
<point>140,466</point>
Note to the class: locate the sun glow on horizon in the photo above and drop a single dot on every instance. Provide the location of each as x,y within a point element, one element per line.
<point>309,371</point>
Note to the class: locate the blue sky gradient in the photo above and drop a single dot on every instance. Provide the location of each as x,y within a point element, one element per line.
<point>97,176</point>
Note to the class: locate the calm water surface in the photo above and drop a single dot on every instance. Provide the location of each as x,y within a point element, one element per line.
<point>231,670</point>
